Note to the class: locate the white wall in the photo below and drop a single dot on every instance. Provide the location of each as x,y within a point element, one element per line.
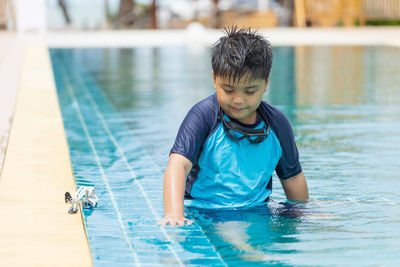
<point>31,15</point>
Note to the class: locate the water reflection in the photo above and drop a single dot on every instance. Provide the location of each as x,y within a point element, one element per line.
<point>252,235</point>
<point>150,76</point>
<point>301,76</point>
<point>282,87</point>
<point>343,105</point>
<point>344,75</point>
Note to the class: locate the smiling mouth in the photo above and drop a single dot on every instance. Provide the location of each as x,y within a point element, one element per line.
<point>237,109</point>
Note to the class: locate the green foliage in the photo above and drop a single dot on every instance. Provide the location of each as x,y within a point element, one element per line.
<point>383,22</point>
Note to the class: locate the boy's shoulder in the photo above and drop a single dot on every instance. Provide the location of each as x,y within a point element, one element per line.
<point>203,115</point>
<point>275,118</point>
<point>271,110</point>
<point>206,105</point>
<point>196,126</point>
<point>205,111</point>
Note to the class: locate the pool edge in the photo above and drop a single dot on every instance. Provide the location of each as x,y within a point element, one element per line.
<point>36,229</point>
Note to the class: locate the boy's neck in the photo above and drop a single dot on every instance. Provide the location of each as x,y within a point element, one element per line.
<point>248,125</point>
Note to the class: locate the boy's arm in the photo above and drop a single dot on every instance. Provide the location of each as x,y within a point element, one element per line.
<point>174,190</point>
<point>295,187</point>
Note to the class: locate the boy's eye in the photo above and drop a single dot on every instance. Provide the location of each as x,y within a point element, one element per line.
<point>250,92</point>
<point>228,91</point>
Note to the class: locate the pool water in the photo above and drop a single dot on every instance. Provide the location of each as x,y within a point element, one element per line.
<point>122,109</point>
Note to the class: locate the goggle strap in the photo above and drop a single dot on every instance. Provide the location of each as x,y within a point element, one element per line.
<point>243,130</point>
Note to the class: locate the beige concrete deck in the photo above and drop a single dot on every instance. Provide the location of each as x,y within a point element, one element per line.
<point>11,54</point>
<point>35,228</point>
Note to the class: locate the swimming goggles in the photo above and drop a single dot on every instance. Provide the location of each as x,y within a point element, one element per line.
<point>236,132</point>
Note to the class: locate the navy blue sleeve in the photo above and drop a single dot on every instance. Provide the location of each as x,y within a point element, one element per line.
<point>289,164</point>
<point>195,128</point>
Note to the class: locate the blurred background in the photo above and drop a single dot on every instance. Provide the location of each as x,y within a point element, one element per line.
<point>336,79</point>
<point>42,15</point>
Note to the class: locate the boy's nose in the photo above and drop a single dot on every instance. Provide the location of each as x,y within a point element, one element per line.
<point>238,99</point>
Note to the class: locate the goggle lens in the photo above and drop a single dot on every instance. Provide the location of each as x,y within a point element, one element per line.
<point>236,132</point>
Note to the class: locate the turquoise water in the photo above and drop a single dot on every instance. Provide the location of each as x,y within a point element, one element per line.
<point>122,109</point>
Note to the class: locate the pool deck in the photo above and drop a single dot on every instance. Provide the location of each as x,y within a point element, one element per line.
<point>35,228</point>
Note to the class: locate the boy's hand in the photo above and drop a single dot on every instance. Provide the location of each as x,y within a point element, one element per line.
<point>174,221</point>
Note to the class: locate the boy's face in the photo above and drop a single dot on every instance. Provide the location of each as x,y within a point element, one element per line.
<point>241,99</point>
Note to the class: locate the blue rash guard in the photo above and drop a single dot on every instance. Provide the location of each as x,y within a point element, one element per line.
<point>228,173</point>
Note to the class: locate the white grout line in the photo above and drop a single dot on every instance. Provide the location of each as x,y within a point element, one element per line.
<point>79,113</point>
<point>132,172</point>
<point>149,203</point>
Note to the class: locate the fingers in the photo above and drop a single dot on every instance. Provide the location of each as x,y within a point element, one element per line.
<point>188,222</point>
<point>174,222</point>
<point>162,222</point>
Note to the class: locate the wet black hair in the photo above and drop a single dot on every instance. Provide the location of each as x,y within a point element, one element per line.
<point>240,52</point>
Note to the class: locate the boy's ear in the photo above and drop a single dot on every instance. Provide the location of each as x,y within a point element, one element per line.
<point>214,78</point>
<point>266,84</point>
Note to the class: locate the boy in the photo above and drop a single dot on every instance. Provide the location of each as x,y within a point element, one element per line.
<point>230,143</point>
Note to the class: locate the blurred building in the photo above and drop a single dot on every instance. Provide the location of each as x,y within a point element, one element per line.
<point>25,15</point>
<point>221,13</point>
<point>330,13</point>
<point>7,14</point>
